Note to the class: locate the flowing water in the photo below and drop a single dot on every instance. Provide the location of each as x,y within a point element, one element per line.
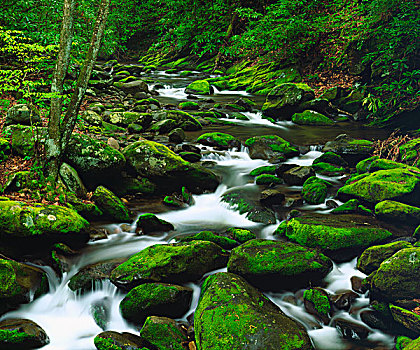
<point>67,316</point>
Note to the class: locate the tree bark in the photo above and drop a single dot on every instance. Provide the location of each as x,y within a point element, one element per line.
<point>59,133</point>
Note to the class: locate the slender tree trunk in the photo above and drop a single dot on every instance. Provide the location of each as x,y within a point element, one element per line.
<point>229,33</point>
<point>52,145</point>
<point>60,132</point>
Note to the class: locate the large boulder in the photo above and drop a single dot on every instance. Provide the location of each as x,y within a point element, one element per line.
<point>179,119</point>
<point>40,222</point>
<point>311,118</point>
<point>352,150</point>
<point>110,340</point>
<point>274,265</point>
<point>402,185</point>
<point>398,277</point>
<point>199,87</point>
<point>232,314</point>
<point>156,299</point>
<point>169,263</point>
<point>124,119</point>
<point>340,237</point>
<point>72,180</point>
<point>25,139</point>
<point>270,147</point>
<point>298,175</point>
<point>22,114</point>
<point>164,167</point>
<point>132,87</point>
<point>19,283</point>
<point>398,212</point>
<point>371,258</point>
<point>21,334</point>
<point>314,190</point>
<point>110,204</point>
<point>284,100</point>
<point>219,140</point>
<point>93,159</point>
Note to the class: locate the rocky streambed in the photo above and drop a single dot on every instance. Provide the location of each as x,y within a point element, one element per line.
<point>213,224</point>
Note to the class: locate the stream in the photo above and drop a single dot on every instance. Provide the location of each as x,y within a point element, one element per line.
<point>67,316</point>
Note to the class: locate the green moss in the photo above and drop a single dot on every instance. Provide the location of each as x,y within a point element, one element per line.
<point>402,342</point>
<point>311,118</point>
<point>331,158</point>
<point>14,337</point>
<point>395,211</point>
<point>267,179</point>
<point>110,204</point>
<point>178,262</point>
<point>224,242</point>
<point>384,184</point>
<point>326,168</point>
<point>275,143</point>
<point>314,190</point>
<point>265,169</point>
<point>189,105</point>
<point>4,149</point>
<point>240,235</point>
<point>409,152</point>
<point>361,142</point>
<point>218,139</point>
<point>199,87</point>
<point>163,333</point>
<point>319,300</point>
<point>330,234</point>
<point>364,165</point>
<point>106,344</point>
<point>9,286</point>
<point>414,345</point>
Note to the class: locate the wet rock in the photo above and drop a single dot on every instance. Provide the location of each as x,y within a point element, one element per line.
<point>267,179</point>
<point>22,114</point>
<point>351,150</point>
<point>350,329</point>
<point>219,140</point>
<point>232,314</point>
<point>340,237</point>
<point>357,284</point>
<point>173,201</point>
<point>398,277</point>
<point>86,279</point>
<point>177,135</point>
<point>100,311</point>
<point>189,106</point>
<point>265,169</point>
<point>150,223</point>
<point>331,204</point>
<point>164,126</point>
<point>406,318</point>
<point>309,117</point>
<point>274,265</point>
<point>398,212</point>
<point>164,333</point>
<point>331,158</point>
<point>298,175</point>
<point>282,168</point>
<point>132,87</point>
<point>245,202</point>
<point>317,302</point>
<point>121,341</point>
<point>21,334</point>
<point>19,282</point>
<point>371,258</point>
<point>314,190</point>
<point>328,169</point>
<point>374,320</point>
<point>111,206</point>
<point>157,299</point>
<point>270,147</point>
<point>283,100</point>
<point>352,206</point>
<point>343,300</point>
<point>224,242</point>
<point>190,156</point>
<point>169,263</point>
<point>270,197</point>
<point>162,166</point>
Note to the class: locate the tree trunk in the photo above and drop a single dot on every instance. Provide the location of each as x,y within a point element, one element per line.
<point>59,133</point>
<point>229,33</point>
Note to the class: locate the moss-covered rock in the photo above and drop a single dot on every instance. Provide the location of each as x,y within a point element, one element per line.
<point>199,87</point>
<point>157,299</point>
<point>328,169</point>
<point>245,201</point>
<point>410,151</point>
<point>330,158</point>
<point>72,180</point>
<point>398,212</point>
<point>110,204</point>
<point>352,150</point>
<point>352,206</point>
<point>25,139</point>
<point>92,118</point>
<point>231,314</point>
<point>52,222</point>
<point>398,277</point>
<point>297,175</point>
<point>169,263</point>
<point>406,318</point>
<point>224,242</point>
<point>270,147</point>
<point>180,119</point>
<point>283,100</point>
<point>19,283</point>
<point>86,279</point>
<point>133,185</point>
<point>311,118</point>
<point>314,190</point>
<point>414,345</point>
<point>132,87</point>
<point>189,106</point>
<point>240,235</point>
<point>164,126</point>
<point>273,265</point>
<point>22,114</point>
<point>21,334</point>
<point>371,258</point>
<point>399,184</point>
<point>265,169</point>
<point>93,160</point>
<point>386,164</point>
<point>164,333</point>
<point>110,340</point>
<point>150,223</point>
<point>267,179</point>
<point>165,168</point>
<point>317,302</point>
<point>124,119</point>
<point>338,236</point>
<point>219,140</point>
